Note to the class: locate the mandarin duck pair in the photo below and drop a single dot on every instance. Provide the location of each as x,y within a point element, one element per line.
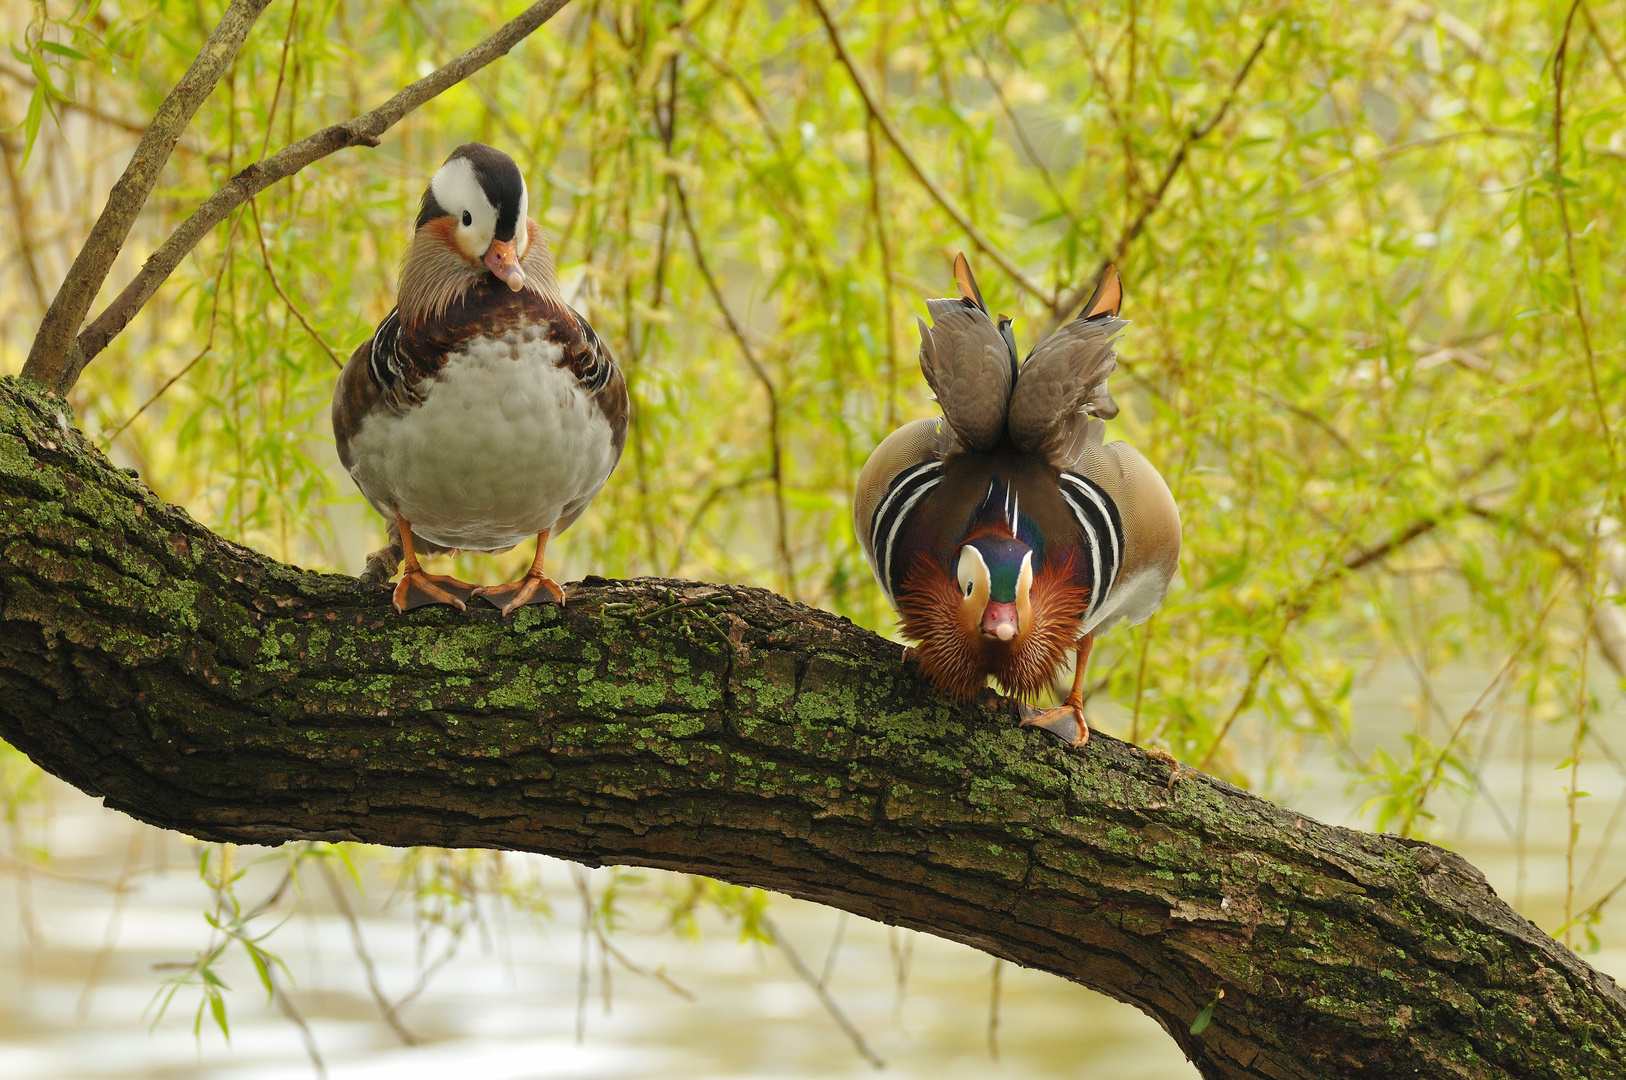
<point>1006,533</point>
<point>485,411</point>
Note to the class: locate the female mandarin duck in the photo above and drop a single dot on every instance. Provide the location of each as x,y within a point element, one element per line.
<point>1005,533</point>
<point>484,410</point>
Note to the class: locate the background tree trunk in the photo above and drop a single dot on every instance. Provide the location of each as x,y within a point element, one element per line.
<point>725,731</point>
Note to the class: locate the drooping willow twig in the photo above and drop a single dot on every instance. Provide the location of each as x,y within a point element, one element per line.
<point>52,357</point>
<point>57,363</point>
<point>775,448</point>
<point>943,199</point>
<point>1062,306</point>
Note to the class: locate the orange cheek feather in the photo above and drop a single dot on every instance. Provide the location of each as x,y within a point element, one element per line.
<point>444,229</point>
<point>955,656</point>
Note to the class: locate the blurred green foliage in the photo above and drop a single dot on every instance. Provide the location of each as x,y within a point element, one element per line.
<point>1373,274</point>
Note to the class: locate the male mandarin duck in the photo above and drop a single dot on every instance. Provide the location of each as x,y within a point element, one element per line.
<point>1005,533</point>
<point>484,410</point>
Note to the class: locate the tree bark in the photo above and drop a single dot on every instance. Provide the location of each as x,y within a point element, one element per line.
<point>725,731</point>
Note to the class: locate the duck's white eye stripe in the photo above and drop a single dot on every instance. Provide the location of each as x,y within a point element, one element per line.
<point>972,568</point>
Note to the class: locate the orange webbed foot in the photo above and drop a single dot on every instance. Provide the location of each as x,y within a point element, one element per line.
<point>1066,721</point>
<point>417,589</point>
<point>531,589</point>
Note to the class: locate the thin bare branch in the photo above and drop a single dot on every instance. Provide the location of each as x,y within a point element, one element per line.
<point>1560,65</point>
<point>776,450</point>
<point>362,130</point>
<point>1603,45</point>
<point>23,213</point>
<point>373,985</point>
<point>1154,201</point>
<point>123,123</point>
<point>1300,604</point>
<point>493,106</point>
<point>883,245</point>
<point>115,918</point>
<point>1388,152</point>
<point>895,137</point>
<point>286,1003</point>
<point>293,308</point>
<point>994,992</point>
<point>208,341</point>
<point>805,973</point>
<point>52,358</point>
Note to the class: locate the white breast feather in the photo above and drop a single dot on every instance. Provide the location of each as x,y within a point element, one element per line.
<point>501,444</point>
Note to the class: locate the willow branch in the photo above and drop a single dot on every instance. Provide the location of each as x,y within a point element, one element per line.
<point>52,359</point>
<point>776,460</point>
<point>895,137</point>
<point>1154,201</point>
<point>362,130</point>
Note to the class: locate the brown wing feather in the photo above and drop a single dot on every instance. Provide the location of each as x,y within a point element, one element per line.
<point>968,366</point>
<point>355,396</point>
<point>1067,372</point>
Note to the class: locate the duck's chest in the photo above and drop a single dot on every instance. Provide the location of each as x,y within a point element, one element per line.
<point>502,442</point>
<point>1068,521</point>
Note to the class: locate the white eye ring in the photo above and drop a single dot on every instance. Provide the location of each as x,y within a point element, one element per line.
<point>972,569</point>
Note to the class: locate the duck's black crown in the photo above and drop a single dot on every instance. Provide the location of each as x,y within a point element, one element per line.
<point>498,177</point>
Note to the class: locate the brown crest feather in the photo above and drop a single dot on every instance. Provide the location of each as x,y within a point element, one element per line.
<point>967,283</point>
<point>1108,297</point>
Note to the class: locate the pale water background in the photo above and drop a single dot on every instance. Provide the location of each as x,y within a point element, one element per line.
<point>509,1005</point>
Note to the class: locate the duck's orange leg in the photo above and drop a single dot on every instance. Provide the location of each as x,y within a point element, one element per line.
<point>529,589</point>
<point>416,588</point>
<point>1070,714</point>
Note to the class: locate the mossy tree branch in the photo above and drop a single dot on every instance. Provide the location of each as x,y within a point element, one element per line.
<point>725,731</point>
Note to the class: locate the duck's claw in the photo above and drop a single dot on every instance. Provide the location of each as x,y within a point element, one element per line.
<point>417,589</point>
<point>1176,770</point>
<point>531,589</point>
<point>1065,721</point>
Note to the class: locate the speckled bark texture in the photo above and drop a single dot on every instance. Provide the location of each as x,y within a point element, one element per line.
<point>719,730</point>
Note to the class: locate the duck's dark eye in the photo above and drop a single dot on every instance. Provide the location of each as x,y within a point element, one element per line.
<point>968,588</point>
<point>468,218</point>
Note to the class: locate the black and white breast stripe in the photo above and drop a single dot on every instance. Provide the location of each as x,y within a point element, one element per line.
<point>595,370</point>
<point>908,488</point>
<point>384,363</point>
<point>1102,529</point>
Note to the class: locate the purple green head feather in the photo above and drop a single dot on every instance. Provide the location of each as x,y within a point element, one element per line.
<point>1004,557</point>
